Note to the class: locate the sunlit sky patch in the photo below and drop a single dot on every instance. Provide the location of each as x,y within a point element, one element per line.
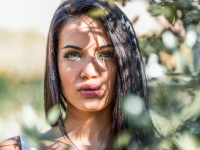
<point>22,14</point>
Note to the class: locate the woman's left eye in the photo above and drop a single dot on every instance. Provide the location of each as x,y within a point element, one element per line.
<point>105,55</point>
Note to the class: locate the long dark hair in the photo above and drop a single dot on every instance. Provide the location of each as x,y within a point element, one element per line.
<point>130,73</point>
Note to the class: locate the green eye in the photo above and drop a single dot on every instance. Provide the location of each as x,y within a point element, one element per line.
<point>105,55</point>
<point>73,56</point>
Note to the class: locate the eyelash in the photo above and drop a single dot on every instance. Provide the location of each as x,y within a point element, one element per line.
<point>72,55</point>
<point>105,55</point>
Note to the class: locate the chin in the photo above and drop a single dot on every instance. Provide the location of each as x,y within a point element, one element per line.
<point>90,105</point>
<point>92,108</point>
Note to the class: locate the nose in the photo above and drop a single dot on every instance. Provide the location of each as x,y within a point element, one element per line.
<point>90,69</point>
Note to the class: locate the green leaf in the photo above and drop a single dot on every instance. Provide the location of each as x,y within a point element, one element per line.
<point>53,114</point>
<point>97,13</point>
<point>155,10</point>
<point>169,13</point>
<point>122,140</point>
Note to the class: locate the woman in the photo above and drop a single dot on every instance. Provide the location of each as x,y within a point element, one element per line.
<point>92,63</point>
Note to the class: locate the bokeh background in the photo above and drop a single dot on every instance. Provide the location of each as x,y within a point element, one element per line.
<point>169,37</point>
<point>23,31</point>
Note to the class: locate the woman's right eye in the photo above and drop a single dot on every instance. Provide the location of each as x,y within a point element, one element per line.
<point>73,56</point>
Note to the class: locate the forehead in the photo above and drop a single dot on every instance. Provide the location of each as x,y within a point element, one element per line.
<point>83,31</point>
<point>84,23</point>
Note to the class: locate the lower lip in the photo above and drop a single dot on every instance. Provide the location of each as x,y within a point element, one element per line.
<point>90,93</point>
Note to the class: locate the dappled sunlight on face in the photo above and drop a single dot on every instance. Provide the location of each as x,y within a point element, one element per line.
<point>86,65</point>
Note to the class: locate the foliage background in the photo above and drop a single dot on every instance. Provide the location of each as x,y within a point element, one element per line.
<point>23,30</point>
<point>171,55</point>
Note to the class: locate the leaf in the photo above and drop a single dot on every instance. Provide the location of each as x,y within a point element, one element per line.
<point>155,10</point>
<point>167,10</point>
<point>134,108</point>
<point>193,16</point>
<point>29,116</point>
<point>53,115</point>
<point>97,13</point>
<point>191,37</point>
<point>122,140</point>
<point>170,40</point>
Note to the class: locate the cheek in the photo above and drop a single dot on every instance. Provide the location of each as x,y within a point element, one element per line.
<point>67,68</point>
<point>64,72</point>
<point>67,75</point>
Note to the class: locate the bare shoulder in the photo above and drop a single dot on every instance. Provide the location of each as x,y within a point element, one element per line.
<point>10,144</point>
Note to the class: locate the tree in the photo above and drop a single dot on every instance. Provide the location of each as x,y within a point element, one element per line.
<point>175,97</point>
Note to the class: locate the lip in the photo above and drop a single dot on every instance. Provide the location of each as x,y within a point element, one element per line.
<point>90,90</point>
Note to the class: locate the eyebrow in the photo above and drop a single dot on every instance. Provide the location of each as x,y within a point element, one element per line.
<point>78,48</point>
<point>104,46</point>
<point>72,46</point>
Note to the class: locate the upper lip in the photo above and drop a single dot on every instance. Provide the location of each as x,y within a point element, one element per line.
<point>89,87</point>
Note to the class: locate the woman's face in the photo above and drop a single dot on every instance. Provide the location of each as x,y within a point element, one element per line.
<point>86,66</point>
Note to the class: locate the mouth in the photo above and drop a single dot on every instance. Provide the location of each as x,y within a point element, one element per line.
<point>90,90</point>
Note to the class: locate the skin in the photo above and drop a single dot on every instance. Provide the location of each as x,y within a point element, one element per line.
<point>10,144</point>
<point>92,63</point>
<point>85,57</point>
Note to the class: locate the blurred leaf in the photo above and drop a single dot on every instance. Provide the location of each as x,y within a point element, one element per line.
<point>97,13</point>
<point>192,85</point>
<point>122,140</point>
<point>3,88</point>
<point>193,16</point>
<point>152,44</point>
<point>155,10</point>
<point>185,141</point>
<point>53,114</point>
<point>170,40</point>
<point>134,108</point>
<point>166,9</point>
<point>167,98</point>
<point>191,126</point>
<point>29,127</point>
<point>28,116</point>
<point>133,105</point>
<point>169,13</point>
<point>167,144</point>
<point>32,136</point>
<point>191,37</point>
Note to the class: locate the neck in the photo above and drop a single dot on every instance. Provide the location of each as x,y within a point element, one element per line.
<point>87,128</point>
